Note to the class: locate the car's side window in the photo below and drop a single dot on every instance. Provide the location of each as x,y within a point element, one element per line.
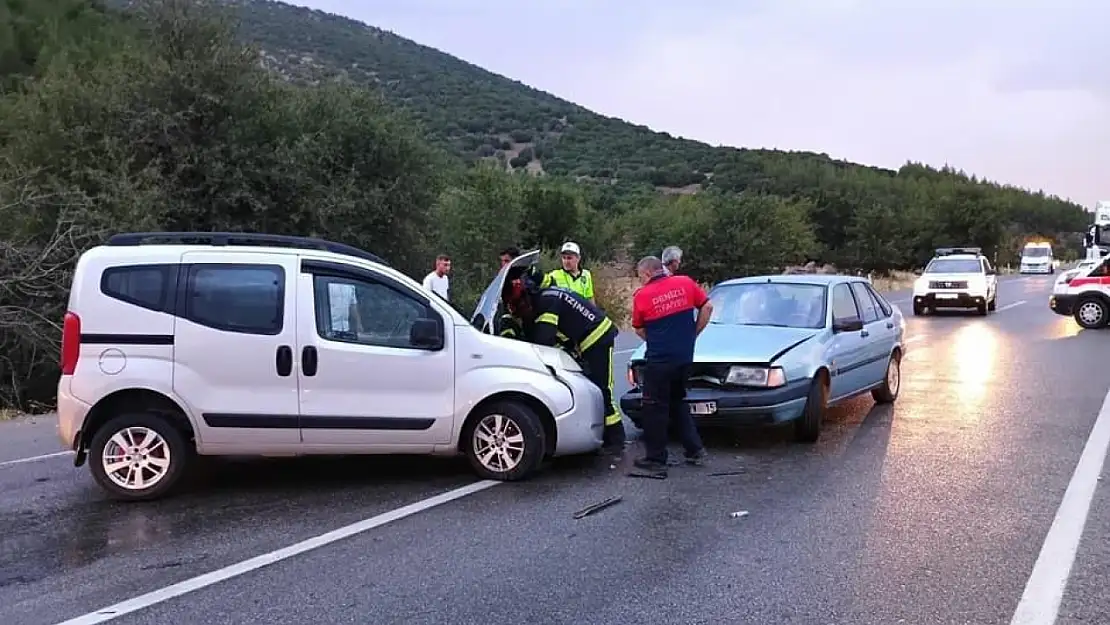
<point>866,304</point>
<point>884,306</point>
<point>986,266</point>
<point>843,304</point>
<point>365,312</point>
<point>243,298</point>
<point>145,286</point>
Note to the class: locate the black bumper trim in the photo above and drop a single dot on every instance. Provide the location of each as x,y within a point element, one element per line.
<point>962,300</point>
<point>747,406</point>
<point>1062,304</point>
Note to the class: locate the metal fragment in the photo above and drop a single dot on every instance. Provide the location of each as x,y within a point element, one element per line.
<point>597,507</point>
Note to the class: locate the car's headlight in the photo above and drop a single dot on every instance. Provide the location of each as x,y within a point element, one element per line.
<point>920,284</point>
<point>766,377</point>
<point>556,358</point>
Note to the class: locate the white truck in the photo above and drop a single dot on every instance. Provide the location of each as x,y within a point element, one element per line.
<point>1097,240</point>
<point>1036,257</point>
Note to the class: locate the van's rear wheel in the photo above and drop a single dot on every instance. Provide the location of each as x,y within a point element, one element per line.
<point>504,441</point>
<point>138,456</point>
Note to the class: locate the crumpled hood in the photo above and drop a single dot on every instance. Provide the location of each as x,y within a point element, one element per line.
<point>736,343</point>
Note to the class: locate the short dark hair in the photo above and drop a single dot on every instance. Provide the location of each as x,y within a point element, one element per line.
<point>512,251</point>
<point>443,257</point>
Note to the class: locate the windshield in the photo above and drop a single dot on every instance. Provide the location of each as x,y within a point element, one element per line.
<point>1036,252</point>
<point>782,304</point>
<point>954,265</point>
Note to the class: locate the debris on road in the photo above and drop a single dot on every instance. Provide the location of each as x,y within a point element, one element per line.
<point>739,514</point>
<point>597,507</point>
<point>662,475</point>
<point>724,473</point>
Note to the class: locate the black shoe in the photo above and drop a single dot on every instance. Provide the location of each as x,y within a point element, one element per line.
<point>697,459</point>
<point>651,466</point>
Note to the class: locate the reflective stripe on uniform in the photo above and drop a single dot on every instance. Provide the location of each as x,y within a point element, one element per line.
<point>551,318</point>
<point>596,335</point>
<point>582,285</point>
<point>613,417</point>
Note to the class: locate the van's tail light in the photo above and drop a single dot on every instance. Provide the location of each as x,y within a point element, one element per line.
<point>71,342</point>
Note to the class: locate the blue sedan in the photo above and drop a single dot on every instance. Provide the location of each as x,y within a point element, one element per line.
<point>784,348</point>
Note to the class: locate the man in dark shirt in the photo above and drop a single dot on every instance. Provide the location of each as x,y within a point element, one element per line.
<point>662,315</point>
<point>559,317</point>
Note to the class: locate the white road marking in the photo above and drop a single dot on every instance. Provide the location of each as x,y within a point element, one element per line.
<point>1040,603</point>
<point>625,351</point>
<point>35,458</point>
<point>176,590</point>
<point>1009,306</point>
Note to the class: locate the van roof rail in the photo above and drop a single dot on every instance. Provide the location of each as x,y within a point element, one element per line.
<point>245,239</point>
<point>947,251</point>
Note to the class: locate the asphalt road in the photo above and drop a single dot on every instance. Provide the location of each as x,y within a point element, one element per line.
<point>931,511</point>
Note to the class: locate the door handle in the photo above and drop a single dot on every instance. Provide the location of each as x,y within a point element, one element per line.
<point>889,325</point>
<point>284,360</point>
<point>864,333</point>
<point>309,360</point>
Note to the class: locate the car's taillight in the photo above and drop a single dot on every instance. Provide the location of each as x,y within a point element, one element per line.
<point>71,342</point>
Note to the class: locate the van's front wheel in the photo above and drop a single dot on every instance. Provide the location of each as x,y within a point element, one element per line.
<point>504,441</point>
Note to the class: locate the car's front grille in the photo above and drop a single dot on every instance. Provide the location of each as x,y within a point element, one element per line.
<point>941,284</point>
<point>701,375</point>
<point>707,375</point>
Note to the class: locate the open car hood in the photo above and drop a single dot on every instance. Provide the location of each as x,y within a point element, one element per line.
<point>488,312</point>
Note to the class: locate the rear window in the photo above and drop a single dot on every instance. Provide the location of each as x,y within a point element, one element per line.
<point>146,286</point>
<point>248,299</point>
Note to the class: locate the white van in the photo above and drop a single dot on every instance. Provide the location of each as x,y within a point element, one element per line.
<point>1037,258</point>
<point>176,344</point>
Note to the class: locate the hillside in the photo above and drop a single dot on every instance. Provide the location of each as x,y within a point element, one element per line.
<point>477,113</point>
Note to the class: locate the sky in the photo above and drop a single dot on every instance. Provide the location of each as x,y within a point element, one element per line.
<point>1016,91</point>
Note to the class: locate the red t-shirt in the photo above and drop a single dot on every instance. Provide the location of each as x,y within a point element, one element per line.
<point>662,308</point>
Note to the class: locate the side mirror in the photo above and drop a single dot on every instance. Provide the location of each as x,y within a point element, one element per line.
<point>427,334</point>
<point>854,324</point>
<point>992,271</point>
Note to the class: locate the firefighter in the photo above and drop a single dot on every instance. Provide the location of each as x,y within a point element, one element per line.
<point>556,316</point>
<point>571,276</point>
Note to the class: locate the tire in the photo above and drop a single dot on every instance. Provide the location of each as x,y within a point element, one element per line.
<point>807,428</point>
<point>892,383</point>
<point>918,310</point>
<point>981,309</point>
<point>993,304</point>
<point>511,419</point>
<point>1092,313</point>
<point>160,440</point>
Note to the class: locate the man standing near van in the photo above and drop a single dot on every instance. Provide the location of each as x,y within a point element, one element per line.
<point>437,281</point>
<point>672,258</point>
<point>508,254</point>
<point>571,276</point>
<point>662,316</point>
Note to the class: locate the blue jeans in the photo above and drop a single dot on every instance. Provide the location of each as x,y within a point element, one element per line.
<point>664,407</point>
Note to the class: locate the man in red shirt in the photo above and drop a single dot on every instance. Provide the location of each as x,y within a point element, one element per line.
<point>662,315</point>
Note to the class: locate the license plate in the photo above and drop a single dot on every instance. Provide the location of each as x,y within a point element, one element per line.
<point>703,407</point>
<point>947,295</point>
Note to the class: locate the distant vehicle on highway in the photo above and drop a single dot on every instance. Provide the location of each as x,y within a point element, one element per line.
<point>178,344</point>
<point>784,348</point>
<point>1084,293</point>
<point>957,277</point>
<point>1036,257</point>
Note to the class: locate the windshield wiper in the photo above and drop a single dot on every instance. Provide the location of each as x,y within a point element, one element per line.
<point>769,325</point>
